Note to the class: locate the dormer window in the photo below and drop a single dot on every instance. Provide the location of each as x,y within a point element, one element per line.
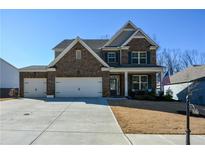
<point>139,57</point>
<point>78,54</point>
<point>111,57</point>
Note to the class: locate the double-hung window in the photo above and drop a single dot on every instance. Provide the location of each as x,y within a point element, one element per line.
<point>139,57</point>
<point>78,54</point>
<point>111,57</point>
<point>139,82</point>
<point>135,57</point>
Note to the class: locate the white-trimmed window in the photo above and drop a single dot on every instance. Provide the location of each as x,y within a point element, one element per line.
<point>111,57</point>
<point>139,57</point>
<point>139,82</point>
<point>78,54</point>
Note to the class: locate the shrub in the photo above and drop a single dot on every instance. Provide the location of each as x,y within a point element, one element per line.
<point>13,93</point>
<point>145,97</point>
<point>169,94</point>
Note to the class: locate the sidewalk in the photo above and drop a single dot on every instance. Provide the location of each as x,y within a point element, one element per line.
<point>150,139</point>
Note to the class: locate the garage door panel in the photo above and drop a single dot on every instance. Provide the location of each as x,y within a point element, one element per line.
<point>79,87</point>
<point>35,87</point>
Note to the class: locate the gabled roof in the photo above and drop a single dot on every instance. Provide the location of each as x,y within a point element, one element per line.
<point>4,61</point>
<point>128,29</point>
<point>36,68</point>
<point>63,44</point>
<point>71,45</point>
<point>140,34</point>
<point>122,37</point>
<point>189,74</point>
<point>130,25</point>
<point>126,34</point>
<point>94,44</point>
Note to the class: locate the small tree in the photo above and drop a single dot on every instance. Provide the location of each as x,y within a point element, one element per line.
<point>169,94</point>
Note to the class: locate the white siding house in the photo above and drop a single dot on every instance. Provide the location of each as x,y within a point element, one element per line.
<point>9,77</point>
<point>192,77</point>
<point>176,89</point>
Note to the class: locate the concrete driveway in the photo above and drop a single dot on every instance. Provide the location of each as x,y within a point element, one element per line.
<point>62,121</point>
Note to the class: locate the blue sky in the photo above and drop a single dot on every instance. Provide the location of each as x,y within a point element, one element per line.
<point>27,36</point>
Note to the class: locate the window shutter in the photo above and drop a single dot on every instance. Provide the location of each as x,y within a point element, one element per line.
<point>148,57</point>
<point>117,57</point>
<point>105,56</point>
<point>129,57</point>
<point>149,82</point>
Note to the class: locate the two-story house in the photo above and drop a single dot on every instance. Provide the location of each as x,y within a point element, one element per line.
<point>120,66</point>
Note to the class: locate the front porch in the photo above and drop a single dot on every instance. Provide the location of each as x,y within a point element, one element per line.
<point>129,81</point>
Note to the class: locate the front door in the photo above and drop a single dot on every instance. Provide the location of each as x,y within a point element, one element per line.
<point>114,85</point>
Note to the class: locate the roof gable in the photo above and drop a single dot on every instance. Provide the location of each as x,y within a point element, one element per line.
<point>129,25</point>
<point>128,28</point>
<point>122,37</point>
<point>70,46</point>
<point>140,34</point>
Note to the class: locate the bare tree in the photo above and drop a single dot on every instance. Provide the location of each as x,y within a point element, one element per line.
<point>176,60</point>
<point>170,58</point>
<point>192,57</point>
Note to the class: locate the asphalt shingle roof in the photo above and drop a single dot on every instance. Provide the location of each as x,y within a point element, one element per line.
<point>189,74</point>
<point>119,40</point>
<point>94,44</point>
<point>35,67</point>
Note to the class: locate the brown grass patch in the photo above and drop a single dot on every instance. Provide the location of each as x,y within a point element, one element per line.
<point>5,99</point>
<point>154,117</point>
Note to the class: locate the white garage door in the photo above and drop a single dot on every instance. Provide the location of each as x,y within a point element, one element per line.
<point>35,87</point>
<point>79,87</point>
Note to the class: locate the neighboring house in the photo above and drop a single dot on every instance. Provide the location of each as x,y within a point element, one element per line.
<point>9,78</point>
<point>96,67</point>
<point>192,77</point>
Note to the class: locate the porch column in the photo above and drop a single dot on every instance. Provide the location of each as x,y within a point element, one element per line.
<point>126,84</point>
<point>161,79</point>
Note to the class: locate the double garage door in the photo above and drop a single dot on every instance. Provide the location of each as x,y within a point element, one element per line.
<point>65,87</point>
<point>78,87</point>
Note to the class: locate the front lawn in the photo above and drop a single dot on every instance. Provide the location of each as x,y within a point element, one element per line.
<point>149,117</point>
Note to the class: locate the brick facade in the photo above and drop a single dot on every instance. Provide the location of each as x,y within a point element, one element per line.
<point>139,44</point>
<point>51,83</point>
<point>153,57</point>
<point>89,66</point>
<point>124,58</point>
<point>68,66</point>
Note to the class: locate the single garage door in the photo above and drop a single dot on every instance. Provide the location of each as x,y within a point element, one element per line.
<point>79,87</point>
<point>35,87</point>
